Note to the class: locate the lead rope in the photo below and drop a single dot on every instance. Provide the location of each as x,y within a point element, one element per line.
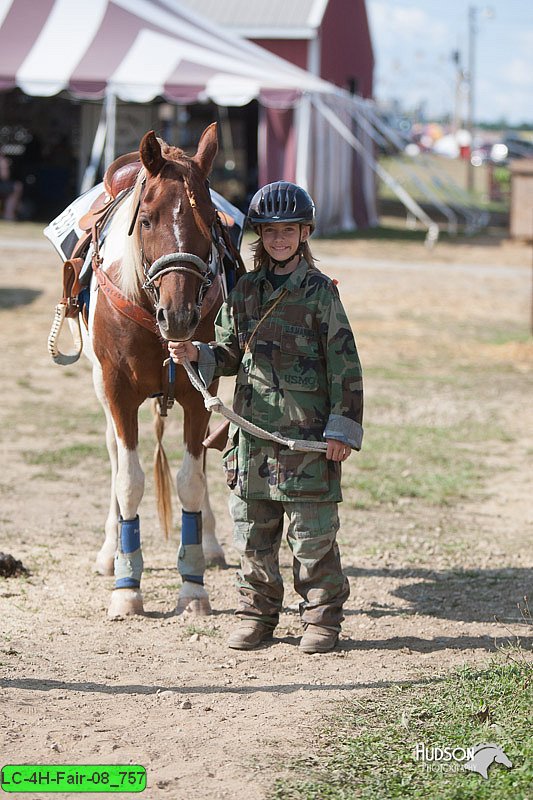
<point>216,404</point>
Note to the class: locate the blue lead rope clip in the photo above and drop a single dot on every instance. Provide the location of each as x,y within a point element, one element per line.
<point>171,371</point>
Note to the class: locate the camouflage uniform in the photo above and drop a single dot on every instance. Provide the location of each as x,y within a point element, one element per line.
<point>298,373</point>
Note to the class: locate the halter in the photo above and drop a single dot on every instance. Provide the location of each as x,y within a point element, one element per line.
<point>158,268</point>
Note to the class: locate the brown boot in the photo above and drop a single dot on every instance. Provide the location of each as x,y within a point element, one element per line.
<point>249,634</point>
<point>317,639</point>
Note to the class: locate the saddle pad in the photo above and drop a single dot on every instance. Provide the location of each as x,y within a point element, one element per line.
<point>64,231</point>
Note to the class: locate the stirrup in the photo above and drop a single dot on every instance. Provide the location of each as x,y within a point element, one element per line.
<point>57,324</point>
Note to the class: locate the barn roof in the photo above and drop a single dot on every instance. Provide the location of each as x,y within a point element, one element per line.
<point>259,19</point>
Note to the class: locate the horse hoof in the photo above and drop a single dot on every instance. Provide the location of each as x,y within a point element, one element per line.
<point>125,603</point>
<point>198,607</point>
<point>105,565</point>
<point>216,561</point>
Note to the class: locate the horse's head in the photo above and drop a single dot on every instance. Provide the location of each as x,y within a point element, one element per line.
<point>175,217</point>
<point>484,755</point>
<point>501,758</point>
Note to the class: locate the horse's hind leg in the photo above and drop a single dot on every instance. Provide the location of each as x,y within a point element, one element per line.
<point>213,552</point>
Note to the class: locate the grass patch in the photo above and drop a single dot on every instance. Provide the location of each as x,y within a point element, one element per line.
<point>65,457</point>
<point>416,461</point>
<point>384,233</point>
<point>370,752</point>
<point>518,336</point>
<point>190,630</point>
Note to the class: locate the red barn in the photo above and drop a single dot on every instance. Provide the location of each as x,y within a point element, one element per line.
<point>329,38</point>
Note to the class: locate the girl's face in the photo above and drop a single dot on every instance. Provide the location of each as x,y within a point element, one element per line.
<point>282,239</point>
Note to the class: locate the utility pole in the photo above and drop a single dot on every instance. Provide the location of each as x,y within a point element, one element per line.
<point>459,78</point>
<point>488,13</point>
<point>472,30</point>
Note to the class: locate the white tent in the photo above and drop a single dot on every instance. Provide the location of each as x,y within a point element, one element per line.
<point>139,50</point>
<point>136,50</point>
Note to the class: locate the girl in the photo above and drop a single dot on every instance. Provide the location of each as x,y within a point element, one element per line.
<point>285,335</point>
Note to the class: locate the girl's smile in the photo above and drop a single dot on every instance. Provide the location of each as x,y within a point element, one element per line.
<point>282,240</point>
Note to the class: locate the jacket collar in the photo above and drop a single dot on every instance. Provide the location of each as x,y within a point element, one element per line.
<point>295,279</point>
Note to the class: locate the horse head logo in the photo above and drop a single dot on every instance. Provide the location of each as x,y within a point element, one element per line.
<point>483,756</point>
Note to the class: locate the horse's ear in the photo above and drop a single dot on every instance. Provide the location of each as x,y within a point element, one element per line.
<point>207,149</point>
<point>150,151</point>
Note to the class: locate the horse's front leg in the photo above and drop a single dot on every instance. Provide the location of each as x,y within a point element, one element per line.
<point>198,540</point>
<point>213,552</point>
<point>191,560</point>
<point>105,559</point>
<point>126,598</point>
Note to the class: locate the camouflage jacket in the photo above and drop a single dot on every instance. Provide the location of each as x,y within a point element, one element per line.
<point>298,373</point>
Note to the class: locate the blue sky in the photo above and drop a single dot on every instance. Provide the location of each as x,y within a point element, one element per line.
<point>413,41</point>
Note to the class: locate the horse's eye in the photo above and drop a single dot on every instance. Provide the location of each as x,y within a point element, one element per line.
<point>145,222</point>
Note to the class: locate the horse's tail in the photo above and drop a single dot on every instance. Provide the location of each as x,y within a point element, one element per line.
<point>162,475</point>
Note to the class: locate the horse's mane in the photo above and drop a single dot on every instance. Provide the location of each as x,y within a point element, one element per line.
<point>130,276</point>
<point>173,153</point>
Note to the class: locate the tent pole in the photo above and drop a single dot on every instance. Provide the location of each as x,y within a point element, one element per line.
<point>370,124</point>
<point>111,124</point>
<point>91,169</point>
<point>432,227</point>
<point>303,141</point>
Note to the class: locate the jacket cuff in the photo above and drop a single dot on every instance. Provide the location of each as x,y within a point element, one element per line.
<point>345,430</point>
<point>206,363</point>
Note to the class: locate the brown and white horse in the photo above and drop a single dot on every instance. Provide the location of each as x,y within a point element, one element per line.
<point>158,253</point>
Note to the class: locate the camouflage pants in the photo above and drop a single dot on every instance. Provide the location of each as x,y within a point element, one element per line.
<point>317,570</point>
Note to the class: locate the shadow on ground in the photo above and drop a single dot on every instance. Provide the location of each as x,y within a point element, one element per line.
<point>484,595</point>
<point>12,297</point>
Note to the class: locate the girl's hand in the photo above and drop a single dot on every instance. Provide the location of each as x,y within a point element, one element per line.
<point>337,451</point>
<point>181,350</point>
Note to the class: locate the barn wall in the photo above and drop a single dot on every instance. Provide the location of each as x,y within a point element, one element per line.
<point>346,46</point>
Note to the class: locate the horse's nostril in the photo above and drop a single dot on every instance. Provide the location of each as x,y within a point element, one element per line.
<point>162,317</point>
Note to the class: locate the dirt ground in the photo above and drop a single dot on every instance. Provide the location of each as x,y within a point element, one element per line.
<point>164,691</point>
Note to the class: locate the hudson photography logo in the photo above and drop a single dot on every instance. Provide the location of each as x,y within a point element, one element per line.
<point>478,759</point>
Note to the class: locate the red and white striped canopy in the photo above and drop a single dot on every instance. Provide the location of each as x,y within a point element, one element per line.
<point>137,50</point>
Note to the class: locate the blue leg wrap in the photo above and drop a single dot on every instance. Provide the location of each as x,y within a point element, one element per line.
<point>191,562</point>
<point>128,559</point>
<point>130,534</point>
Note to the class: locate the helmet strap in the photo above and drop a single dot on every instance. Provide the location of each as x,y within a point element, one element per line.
<point>282,264</point>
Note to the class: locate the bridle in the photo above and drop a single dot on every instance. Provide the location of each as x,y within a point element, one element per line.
<point>173,262</point>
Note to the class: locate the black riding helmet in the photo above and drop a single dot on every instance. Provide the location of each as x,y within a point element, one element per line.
<point>281,202</point>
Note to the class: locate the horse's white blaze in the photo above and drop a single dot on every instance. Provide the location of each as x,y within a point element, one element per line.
<point>176,228</point>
